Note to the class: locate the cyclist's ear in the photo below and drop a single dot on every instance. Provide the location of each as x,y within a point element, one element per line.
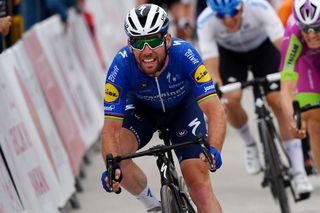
<point>129,45</point>
<point>168,40</point>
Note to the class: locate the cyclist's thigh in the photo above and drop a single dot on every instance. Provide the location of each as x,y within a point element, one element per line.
<point>187,124</point>
<point>266,60</point>
<point>136,120</point>
<point>232,66</point>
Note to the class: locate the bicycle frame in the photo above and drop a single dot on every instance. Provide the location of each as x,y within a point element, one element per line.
<point>167,170</point>
<point>275,173</point>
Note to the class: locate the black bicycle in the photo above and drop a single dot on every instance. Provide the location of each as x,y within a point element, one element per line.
<point>174,196</point>
<point>277,164</point>
<point>308,160</point>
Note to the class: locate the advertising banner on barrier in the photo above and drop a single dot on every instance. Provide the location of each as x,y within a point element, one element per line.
<point>86,109</point>
<point>31,170</point>
<point>9,200</point>
<point>44,122</point>
<point>57,101</point>
<point>82,43</point>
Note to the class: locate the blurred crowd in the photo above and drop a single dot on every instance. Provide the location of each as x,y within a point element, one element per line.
<point>18,16</point>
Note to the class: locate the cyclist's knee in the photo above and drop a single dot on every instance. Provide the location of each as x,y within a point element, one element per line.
<point>313,124</point>
<point>233,101</point>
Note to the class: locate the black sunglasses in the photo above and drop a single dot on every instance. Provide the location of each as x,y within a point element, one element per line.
<point>310,28</point>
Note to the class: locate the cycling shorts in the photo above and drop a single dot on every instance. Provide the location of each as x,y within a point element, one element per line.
<point>263,60</point>
<point>308,99</point>
<point>184,122</point>
<point>308,87</point>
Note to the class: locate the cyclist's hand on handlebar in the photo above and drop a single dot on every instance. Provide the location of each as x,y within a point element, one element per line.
<point>115,183</point>
<point>217,161</point>
<point>298,133</point>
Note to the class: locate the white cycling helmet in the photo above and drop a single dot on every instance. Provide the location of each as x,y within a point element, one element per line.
<point>307,11</point>
<point>146,19</point>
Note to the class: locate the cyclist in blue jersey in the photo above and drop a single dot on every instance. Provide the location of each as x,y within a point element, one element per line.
<point>160,81</point>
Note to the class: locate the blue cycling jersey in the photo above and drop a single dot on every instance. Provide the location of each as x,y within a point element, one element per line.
<point>184,73</point>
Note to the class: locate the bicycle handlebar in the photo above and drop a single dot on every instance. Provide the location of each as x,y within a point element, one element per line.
<point>156,151</point>
<point>241,85</point>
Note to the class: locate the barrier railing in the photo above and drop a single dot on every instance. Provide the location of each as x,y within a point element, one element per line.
<point>51,95</point>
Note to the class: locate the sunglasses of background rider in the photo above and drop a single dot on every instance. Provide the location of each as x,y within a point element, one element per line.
<point>153,42</point>
<point>233,12</point>
<point>311,28</point>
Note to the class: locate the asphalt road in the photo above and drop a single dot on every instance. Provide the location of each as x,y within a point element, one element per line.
<point>237,191</point>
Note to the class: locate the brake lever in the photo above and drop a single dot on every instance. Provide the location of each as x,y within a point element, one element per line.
<point>205,150</point>
<point>296,114</point>
<point>110,170</point>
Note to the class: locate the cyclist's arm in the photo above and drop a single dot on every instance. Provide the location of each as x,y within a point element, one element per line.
<point>110,137</point>
<point>212,65</point>
<point>288,94</point>
<point>214,111</point>
<point>277,43</point>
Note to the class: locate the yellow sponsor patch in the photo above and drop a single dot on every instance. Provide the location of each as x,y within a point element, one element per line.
<point>111,93</point>
<point>202,75</point>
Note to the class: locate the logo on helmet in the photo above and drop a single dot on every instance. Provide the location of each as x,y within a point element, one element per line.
<point>141,9</point>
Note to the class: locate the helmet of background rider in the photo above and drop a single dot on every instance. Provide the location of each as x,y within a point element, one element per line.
<point>146,19</point>
<point>307,11</point>
<point>223,6</point>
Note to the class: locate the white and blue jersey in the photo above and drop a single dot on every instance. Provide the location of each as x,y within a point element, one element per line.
<point>259,22</point>
<point>185,74</point>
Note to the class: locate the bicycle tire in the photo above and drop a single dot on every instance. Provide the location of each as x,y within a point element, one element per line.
<point>186,199</point>
<point>169,201</point>
<point>276,180</point>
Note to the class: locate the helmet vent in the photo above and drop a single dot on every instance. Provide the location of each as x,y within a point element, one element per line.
<point>154,31</point>
<point>143,21</point>
<point>132,24</point>
<point>155,18</point>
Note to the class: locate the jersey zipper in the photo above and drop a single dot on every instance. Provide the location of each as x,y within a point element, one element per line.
<point>159,92</point>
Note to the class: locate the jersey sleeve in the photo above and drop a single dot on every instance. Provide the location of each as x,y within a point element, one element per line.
<point>291,48</point>
<point>270,19</point>
<point>206,35</point>
<point>115,90</point>
<point>200,80</point>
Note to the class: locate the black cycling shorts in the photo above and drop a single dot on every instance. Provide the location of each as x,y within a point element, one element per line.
<point>184,122</point>
<point>264,60</point>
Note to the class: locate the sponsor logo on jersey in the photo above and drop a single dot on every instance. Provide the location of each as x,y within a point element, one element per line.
<point>293,54</point>
<point>144,85</point>
<point>113,74</point>
<point>109,108</point>
<point>202,75</point>
<point>123,53</point>
<point>111,93</point>
<point>211,87</point>
<point>190,55</point>
<point>182,132</point>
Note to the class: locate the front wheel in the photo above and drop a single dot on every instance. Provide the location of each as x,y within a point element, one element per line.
<point>274,167</point>
<point>169,202</point>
